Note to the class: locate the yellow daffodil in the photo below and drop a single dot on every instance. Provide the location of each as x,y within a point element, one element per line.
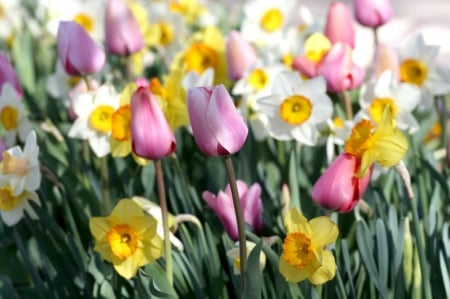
<point>386,144</point>
<point>304,256</point>
<point>127,238</point>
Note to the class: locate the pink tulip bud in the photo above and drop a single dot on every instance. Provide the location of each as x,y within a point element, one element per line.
<point>240,55</point>
<point>122,33</point>
<point>372,13</point>
<point>386,58</point>
<point>338,188</point>
<point>338,69</point>
<point>251,205</point>
<point>305,66</point>
<point>7,74</point>
<point>217,126</point>
<point>151,136</point>
<point>78,53</point>
<point>339,24</point>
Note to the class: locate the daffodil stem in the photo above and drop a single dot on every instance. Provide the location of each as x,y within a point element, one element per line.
<point>239,217</point>
<point>347,105</point>
<point>165,220</point>
<point>375,39</point>
<point>420,249</point>
<point>104,175</point>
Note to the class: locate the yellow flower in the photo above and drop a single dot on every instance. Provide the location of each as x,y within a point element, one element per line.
<point>386,144</point>
<point>303,254</point>
<point>127,238</point>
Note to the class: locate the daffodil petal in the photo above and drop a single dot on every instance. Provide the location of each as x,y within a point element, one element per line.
<point>99,227</point>
<point>127,209</point>
<point>291,273</point>
<point>325,272</point>
<point>130,266</point>
<point>324,231</point>
<point>296,222</point>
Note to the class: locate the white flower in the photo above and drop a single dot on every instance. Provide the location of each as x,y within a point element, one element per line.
<point>94,122</point>
<point>12,207</point>
<point>418,67</point>
<point>338,131</point>
<point>234,255</point>
<point>193,79</point>
<point>12,116</point>
<point>20,169</point>
<point>11,18</point>
<point>265,21</point>
<point>402,98</point>
<point>296,107</point>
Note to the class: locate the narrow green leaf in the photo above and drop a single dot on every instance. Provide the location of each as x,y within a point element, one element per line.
<point>159,285</point>
<point>252,274</point>
<point>382,255</point>
<point>445,274</point>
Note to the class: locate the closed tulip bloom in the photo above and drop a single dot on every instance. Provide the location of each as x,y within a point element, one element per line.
<point>338,188</point>
<point>240,55</point>
<point>78,53</point>
<point>372,13</point>
<point>217,126</point>
<point>251,205</point>
<point>151,136</point>
<point>338,69</point>
<point>339,24</point>
<point>7,74</point>
<point>122,33</point>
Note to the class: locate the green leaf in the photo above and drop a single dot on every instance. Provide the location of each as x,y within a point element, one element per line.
<point>252,274</point>
<point>159,285</point>
<point>6,288</point>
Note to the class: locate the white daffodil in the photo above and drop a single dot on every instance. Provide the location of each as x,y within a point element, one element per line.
<point>20,169</point>
<point>337,130</point>
<point>11,18</point>
<point>194,79</point>
<point>94,121</point>
<point>296,107</point>
<point>12,206</point>
<point>402,99</point>
<point>154,210</point>
<point>265,21</point>
<point>234,256</point>
<point>418,67</point>
<point>12,116</point>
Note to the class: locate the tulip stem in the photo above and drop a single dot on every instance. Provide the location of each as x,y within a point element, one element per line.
<point>347,104</point>
<point>104,176</point>
<point>165,221</point>
<point>239,217</point>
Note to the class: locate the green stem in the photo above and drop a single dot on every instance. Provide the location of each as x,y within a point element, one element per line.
<point>347,104</point>
<point>104,176</point>
<point>165,220</point>
<point>239,217</point>
<point>421,250</point>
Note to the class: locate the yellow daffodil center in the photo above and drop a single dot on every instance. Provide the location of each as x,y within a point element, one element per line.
<point>9,117</point>
<point>297,250</point>
<point>85,21</point>
<point>435,132</point>
<point>237,263</point>
<point>166,34</point>
<point>258,79</point>
<point>73,80</point>
<point>338,122</point>
<point>360,139</point>
<point>271,20</point>
<point>14,165</point>
<point>7,200</point>
<point>287,59</point>
<point>121,123</point>
<point>156,88</point>
<point>295,110</point>
<point>123,241</point>
<point>377,107</point>
<point>101,118</point>
<point>413,71</point>
<point>316,46</point>
<point>199,57</point>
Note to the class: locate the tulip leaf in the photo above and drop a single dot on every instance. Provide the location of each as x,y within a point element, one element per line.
<point>159,285</point>
<point>6,288</point>
<point>22,51</point>
<point>252,274</point>
<point>445,274</point>
<point>382,254</point>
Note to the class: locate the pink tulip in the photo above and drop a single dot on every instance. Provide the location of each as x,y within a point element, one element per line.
<point>78,53</point>
<point>7,74</point>
<point>240,55</point>
<point>305,66</point>
<point>122,33</point>
<point>386,58</point>
<point>151,136</point>
<point>339,24</point>
<point>251,205</point>
<point>372,13</point>
<point>338,69</point>
<point>338,188</point>
<point>217,126</point>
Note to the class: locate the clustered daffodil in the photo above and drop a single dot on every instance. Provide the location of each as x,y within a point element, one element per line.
<point>304,256</point>
<point>127,238</point>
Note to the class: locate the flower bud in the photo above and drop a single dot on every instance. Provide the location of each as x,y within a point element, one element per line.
<point>372,13</point>
<point>240,55</point>
<point>339,24</point>
<point>7,74</point>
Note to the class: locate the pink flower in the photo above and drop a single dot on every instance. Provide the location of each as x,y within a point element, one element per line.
<point>386,58</point>
<point>372,13</point>
<point>78,53</point>
<point>338,69</point>
<point>217,126</point>
<point>338,188</point>
<point>339,24</point>
<point>251,205</point>
<point>7,74</point>
<point>122,33</point>
<point>151,136</point>
<point>240,55</point>
<point>305,66</point>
